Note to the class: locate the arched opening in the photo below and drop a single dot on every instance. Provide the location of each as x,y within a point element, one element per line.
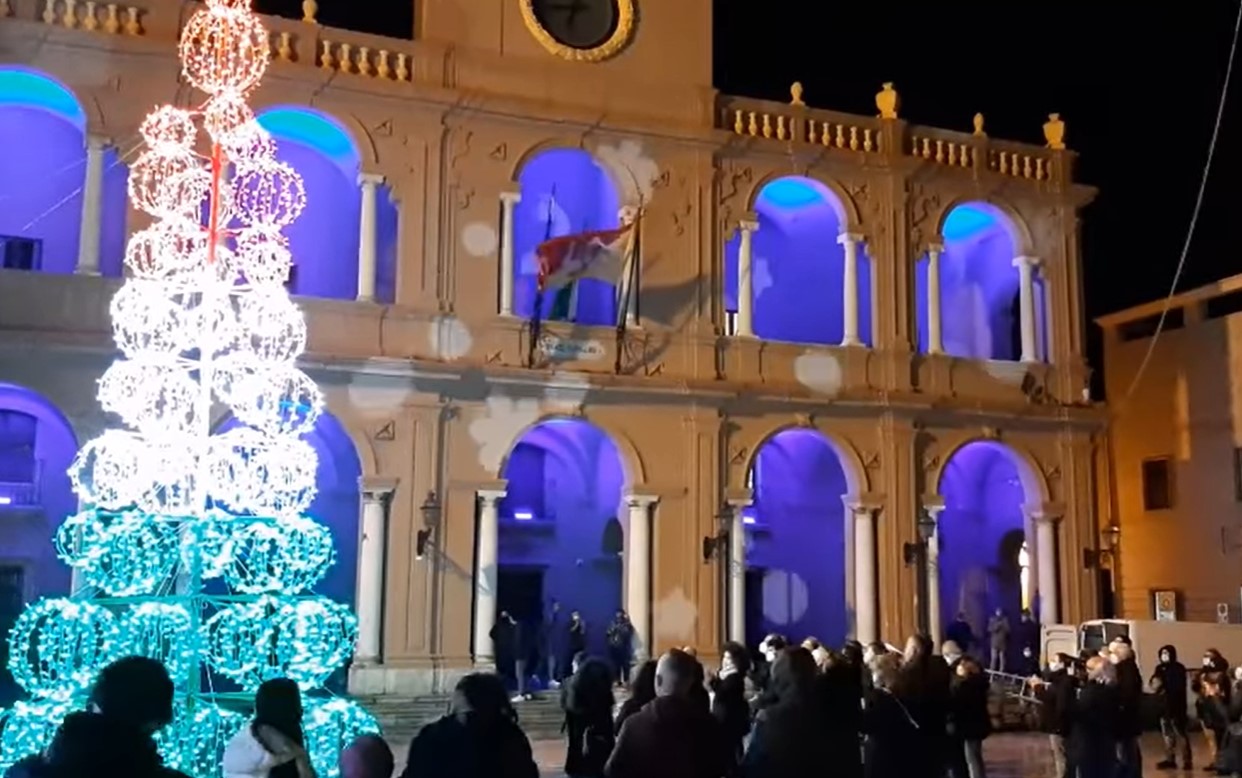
<point>979,307</point>
<point>43,160</point>
<point>795,558</point>
<point>798,266</point>
<point>564,192</point>
<point>559,538</point>
<point>336,504</point>
<point>37,445</point>
<point>325,238</point>
<point>984,560</point>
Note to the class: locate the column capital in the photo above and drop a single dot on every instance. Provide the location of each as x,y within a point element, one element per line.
<point>1026,261</point>
<point>96,142</point>
<point>641,500</point>
<point>370,179</point>
<point>935,246</point>
<point>861,507</point>
<point>491,496</point>
<point>376,487</point>
<point>851,238</point>
<point>1045,512</point>
<point>511,197</point>
<point>933,510</point>
<point>748,224</point>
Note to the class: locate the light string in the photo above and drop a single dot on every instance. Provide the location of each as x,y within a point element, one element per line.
<point>177,512</point>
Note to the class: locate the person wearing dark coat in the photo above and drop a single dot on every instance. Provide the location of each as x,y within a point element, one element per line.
<point>673,736</point>
<point>728,698</point>
<point>479,738</point>
<point>1168,681</point>
<point>552,640</point>
<point>892,734</point>
<point>788,738</point>
<point>1056,692</point>
<point>961,633</point>
<point>839,693</point>
<point>575,641</point>
<point>923,686</point>
<point>586,698</point>
<point>130,702</point>
<point>970,722</point>
<point>642,691</point>
<point>1213,711</point>
<point>1097,716</point>
<point>1130,723</point>
<point>503,635</point>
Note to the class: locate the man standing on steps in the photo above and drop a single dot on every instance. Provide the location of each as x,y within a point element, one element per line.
<point>998,635</point>
<point>551,643</point>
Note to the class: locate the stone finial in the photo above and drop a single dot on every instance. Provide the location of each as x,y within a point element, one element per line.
<point>795,93</point>
<point>1054,131</point>
<point>978,125</point>
<point>309,9</point>
<point>887,101</point>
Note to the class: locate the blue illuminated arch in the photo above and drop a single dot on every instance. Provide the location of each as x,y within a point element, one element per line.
<point>26,88</point>
<point>315,130</point>
<point>968,220</point>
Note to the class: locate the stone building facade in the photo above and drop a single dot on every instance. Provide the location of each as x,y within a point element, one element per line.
<point>421,346</point>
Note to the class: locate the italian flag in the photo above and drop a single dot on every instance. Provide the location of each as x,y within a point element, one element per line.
<point>601,254</point>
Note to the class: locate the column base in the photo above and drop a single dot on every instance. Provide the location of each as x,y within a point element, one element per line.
<point>851,342</point>
<point>85,271</point>
<point>378,680</point>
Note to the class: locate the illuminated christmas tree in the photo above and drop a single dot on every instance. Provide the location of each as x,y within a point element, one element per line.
<point>195,545</point>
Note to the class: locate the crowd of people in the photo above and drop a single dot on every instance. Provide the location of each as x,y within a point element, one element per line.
<point>795,711</point>
<point>539,654</point>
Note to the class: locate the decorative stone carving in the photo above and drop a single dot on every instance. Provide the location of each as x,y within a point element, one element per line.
<point>500,153</point>
<point>871,460</point>
<point>931,461</point>
<point>387,431</point>
<point>990,433</point>
<point>732,203</point>
<point>737,455</point>
<point>383,129</point>
<point>924,206</point>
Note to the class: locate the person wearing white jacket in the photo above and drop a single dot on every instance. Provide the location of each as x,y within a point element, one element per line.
<point>271,746</point>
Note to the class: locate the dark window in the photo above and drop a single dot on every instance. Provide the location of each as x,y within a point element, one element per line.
<point>1157,484</point>
<point>1225,305</point>
<point>20,253</point>
<point>1237,474</point>
<point>1147,326</point>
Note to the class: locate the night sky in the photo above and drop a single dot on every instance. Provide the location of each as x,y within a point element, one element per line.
<point>1137,85</point>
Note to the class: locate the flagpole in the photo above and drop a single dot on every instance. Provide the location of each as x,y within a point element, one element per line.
<point>631,281</point>
<point>537,314</point>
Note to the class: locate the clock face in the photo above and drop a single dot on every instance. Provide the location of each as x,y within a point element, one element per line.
<point>579,24</point>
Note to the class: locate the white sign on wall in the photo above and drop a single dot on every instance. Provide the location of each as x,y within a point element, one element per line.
<point>566,349</point>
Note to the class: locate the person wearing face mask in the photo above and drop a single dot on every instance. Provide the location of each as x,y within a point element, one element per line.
<point>761,675</point>
<point>1130,695</point>
<point>728,704</point>
<point>1168,682</point>
<point>1056,691</point>
<point>1096,715</point>
<point>891,748</point>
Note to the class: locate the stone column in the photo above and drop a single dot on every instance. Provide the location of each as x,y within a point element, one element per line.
<point>372,548</point>
<point>866,615</point>
<point>508,202</point>
<point>91,225</point>
<point>737,572</point>
<point>1046,568</point>
<point>1026,305</point>
<point>935,340</point>
<point>366,235</point>
<point>487,561</point>
<point>745,289</point>
<point>849,294</point>
<point>638,572</point>
<point>934,627</point>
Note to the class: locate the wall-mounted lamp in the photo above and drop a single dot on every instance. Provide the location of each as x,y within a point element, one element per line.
<point>1106,554</point>
<point>431,519</point>
<point>926,527</point>
<point>718,544</point>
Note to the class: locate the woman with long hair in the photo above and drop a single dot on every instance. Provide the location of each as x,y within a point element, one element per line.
<point>642,691</point>
<point>587,701</point>
<point>788,738</point>
<point>273,745</point>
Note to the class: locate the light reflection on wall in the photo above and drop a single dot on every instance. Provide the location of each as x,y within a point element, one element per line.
<point>43,161</point>
<point>565,481</point>
<point>564,191</point>
<point>979,559</point>
<point>324,239</point>
<point>798,266</point>
<point>797,540</point>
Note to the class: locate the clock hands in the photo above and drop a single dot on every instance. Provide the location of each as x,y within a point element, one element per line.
<point>573,7</point>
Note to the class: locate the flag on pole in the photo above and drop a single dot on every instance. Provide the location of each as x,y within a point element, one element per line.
<point>599,254</point>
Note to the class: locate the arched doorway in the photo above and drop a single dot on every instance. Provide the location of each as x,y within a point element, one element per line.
<point>986,549</point>
<point>37,444</point>
<point>798,266</point>
<point>980,312</point>
<point>796,539</point>
<point>564,192</point>
<point>558,527</point>
<point>43,162</point>
<point>325,238</point>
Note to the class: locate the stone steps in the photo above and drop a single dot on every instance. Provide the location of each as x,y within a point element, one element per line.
<point>402,717</point>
